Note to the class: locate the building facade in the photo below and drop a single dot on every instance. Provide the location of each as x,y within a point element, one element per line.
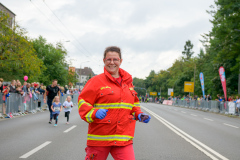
<point>83,75</point>
<point>12,15</point>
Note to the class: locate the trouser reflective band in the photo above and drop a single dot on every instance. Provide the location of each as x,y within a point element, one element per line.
<point>109,137</point>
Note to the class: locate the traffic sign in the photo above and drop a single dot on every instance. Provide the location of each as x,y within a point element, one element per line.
<point>188,86</point>
<point>153,93</point>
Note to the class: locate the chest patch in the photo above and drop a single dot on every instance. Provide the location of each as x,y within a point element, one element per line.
<point>105,87</point>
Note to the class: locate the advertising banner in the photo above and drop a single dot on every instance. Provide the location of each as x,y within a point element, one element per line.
<point>223,80</point>
<point>202,83</point>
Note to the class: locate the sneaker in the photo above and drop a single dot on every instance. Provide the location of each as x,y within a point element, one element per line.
<point>50,122</point>
<point>67,123</point>
<point>55,125</point>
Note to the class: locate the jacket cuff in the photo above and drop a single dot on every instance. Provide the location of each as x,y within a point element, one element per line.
<point>136,115</point>
<point>94,114</point>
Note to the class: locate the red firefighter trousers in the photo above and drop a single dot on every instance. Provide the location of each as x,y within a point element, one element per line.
<point>117,152</point>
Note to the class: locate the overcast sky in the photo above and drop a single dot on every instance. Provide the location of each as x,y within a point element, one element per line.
<point>151,33</point>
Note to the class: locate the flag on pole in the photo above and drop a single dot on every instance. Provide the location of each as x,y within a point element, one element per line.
<point>223,80</point>
<point>202,83</point>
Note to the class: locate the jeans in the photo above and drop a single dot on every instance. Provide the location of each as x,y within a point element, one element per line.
<point>49,102</point>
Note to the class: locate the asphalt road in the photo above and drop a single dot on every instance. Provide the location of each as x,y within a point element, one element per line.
<point>173,133</point>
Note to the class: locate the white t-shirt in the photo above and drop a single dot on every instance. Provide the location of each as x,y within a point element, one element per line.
<point>238,103</point>
<point>68,105</point>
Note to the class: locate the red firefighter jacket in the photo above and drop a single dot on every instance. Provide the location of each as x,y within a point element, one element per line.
<point>121,101</point>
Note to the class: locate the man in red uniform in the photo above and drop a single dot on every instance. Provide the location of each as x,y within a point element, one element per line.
<point>110,105</point>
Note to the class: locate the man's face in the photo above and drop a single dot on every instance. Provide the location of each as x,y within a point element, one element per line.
<point>54,83</point>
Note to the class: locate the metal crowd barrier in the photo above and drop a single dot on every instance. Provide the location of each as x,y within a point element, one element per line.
<point>212,106</point>
<point>74,98</point>
<point>18,104</point>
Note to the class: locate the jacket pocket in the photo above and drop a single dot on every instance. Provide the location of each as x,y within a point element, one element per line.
<point>105,92</point>
<point>133,92</point>
<point>103,121</point>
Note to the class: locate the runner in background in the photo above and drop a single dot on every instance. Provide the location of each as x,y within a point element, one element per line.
<point>56,109</point>
<point>52,91</point>
<point>67,105</point>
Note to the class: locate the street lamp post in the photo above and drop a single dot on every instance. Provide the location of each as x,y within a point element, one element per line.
<point>80,72</point>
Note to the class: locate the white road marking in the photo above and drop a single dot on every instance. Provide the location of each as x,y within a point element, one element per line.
<point>230,125</point>
<point>193,115</point>
<point>199,145</point>
<point>208,119</point>
<point>69,129</point>
<point>175,109</point>
<point>35,150</point>
<point>183,112</point>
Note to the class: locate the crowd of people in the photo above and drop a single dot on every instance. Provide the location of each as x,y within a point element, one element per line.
<point>33,89</point>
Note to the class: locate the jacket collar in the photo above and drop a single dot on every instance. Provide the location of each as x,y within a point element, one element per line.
<point>126,77</point>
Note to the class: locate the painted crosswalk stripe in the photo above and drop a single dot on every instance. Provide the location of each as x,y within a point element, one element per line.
<point>183,112</point>
<point>193,115</point>
<point>69,129</point>
<point>230,125</point>
<point>208,119</point>
<point>35,149</point>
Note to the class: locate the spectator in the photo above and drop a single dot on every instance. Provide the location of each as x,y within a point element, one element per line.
<point>19,88</point>
<point>65,89</point>
<point>230,99</point>
<point>209,97</point>
<point>32,87</point>
<point>24,87</point>
<point>218,97</point>
<point>205,97</point>
<point>41,91</point>
<point>237,104</point>
<point>221,99</point>
<point>1,85</point>
<point>4,98</point>
<point>195,97</point>
<point>13,87</point>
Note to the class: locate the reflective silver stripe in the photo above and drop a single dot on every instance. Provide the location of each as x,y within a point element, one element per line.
<point>137,104</point>
<point>89,116</point>
<point>110,138</point>
<point>113,105</point>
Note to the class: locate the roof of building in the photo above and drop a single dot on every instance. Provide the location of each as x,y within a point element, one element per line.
<point>85,71</point>
<point>7,9</point>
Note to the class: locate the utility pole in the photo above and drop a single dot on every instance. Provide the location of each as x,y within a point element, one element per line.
<point>239,80</point>
<point>194,80</point>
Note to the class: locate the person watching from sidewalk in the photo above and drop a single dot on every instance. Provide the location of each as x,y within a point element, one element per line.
<point>110,105</point>
<point>1,85</point>
<point>13,87</point>
<point>52,91</point>
<point>5,97</point>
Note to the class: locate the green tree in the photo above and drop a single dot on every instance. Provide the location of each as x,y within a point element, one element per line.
<point>53,58</point>
<point>223,43</point>
<point>188,50</point>
<point>17,55</point>
<point>139,86</point>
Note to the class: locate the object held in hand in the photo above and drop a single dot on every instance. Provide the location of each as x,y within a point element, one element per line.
<point>144,117</point>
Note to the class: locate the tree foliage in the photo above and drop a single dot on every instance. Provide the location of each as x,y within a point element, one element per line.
<point>188,50</point>
<point>221,48</point>
<point>17,55</point>
<point>39,60</point>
